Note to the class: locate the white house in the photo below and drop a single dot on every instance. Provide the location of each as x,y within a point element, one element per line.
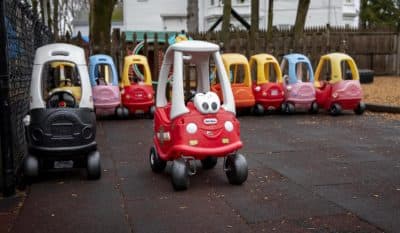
<point>155,15</point>
<point>172,15</point>
<point>320,12</point>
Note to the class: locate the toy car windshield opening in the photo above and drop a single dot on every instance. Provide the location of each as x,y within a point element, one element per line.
<point>269,73</point>
<point>103,74</point>
<point>326,71</point>
<point>302,72</point>
<point>60,76</point>
<point>136,73</point>
<point>346,71</point>
<point>236,73</point>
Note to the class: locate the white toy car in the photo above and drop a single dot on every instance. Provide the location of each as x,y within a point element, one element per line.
<point>61,124</point>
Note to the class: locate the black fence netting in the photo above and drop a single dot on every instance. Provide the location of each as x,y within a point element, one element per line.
<point>21,32</point>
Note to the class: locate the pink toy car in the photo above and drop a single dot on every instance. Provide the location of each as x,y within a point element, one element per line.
<point>104,81</point>
<point>298,84</point>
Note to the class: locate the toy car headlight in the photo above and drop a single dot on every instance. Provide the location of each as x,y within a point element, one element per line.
<point>257,88</point>
<point>150,96</point>
<point>228,126</point>
<point>191,128</point>
<point>289,88</point>
<point>335,95</point>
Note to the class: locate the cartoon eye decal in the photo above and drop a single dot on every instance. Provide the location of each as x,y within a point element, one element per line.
<point>205,106</point>
<point>207,103</point>
<point>214,106</point>
<point>214,102</point>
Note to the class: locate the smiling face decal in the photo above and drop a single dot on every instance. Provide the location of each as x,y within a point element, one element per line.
<point>207,102</point>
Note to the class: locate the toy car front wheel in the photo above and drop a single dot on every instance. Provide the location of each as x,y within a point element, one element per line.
<point>93,165</point>
<point>236,169</point>
<point>156,163</point>
<point>359,110</point>
<point>335,109</point>
<point>288,108</point>
<point>258,109</point>
<point>152,110</point>
<point>180,175</point>
<point>209,162</point>
<point>31,166</point>
<point>119,112</point>
<point>125,112</point>
<point>314,108</point>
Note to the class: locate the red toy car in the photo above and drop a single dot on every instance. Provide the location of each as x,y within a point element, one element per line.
<point>137,93</point>
<point>268,85</point>
<point>200,128</point>
<point>334,91</point>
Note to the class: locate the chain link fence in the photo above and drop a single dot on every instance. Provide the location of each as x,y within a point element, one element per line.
<point>21,32</point>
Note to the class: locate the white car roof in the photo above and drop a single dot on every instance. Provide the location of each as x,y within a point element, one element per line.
<point>60,51</point>
<point>194,46</point>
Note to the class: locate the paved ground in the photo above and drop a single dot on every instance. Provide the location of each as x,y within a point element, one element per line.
<point>307,174</point>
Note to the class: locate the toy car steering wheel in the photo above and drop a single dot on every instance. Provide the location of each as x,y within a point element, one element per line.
<point>61,99</point>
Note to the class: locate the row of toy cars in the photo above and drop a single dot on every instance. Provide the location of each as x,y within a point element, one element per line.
<point>136,95</point>
<point>296,88</point>
<point>61,123</point>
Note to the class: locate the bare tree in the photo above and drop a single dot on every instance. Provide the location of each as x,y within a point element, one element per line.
<point>255,18</point>
<point>226,21</point>
<point>301,16</point>
<point>270,18</point>
<point>55,19</point>
<point>100,25</point>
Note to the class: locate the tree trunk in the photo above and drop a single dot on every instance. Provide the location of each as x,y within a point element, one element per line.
<point>255,6</point>
<point>301,17</point>
<point>100,25</point>
<point>35,7</point>
<point>55,19</point>
<point>48,13</point>
<point>42,13</point>
<point>226,22</point>
<point>193,15</point>
<point>270,19</point>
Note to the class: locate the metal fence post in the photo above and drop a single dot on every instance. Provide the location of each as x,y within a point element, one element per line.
<point>7,169</point>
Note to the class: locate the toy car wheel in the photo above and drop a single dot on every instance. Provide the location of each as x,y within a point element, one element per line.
<point>236,169</point>
<point>180,175</point>
<point>335,109</point>
<point>209,162</point>
<point>360,108</point>
<point>125,112</point>
<point>156,163</point>
<point>288,108</point>
<point>258,109</point>
<point>152,110</point>
<point>119,112</point>
<point>93,165</point>
<point>314,108</point>
<point>283,107</point>
<point>31,166</point>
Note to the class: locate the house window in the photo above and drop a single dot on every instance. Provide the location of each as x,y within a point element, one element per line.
<point>241,1</point>
<point>212,2</point>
